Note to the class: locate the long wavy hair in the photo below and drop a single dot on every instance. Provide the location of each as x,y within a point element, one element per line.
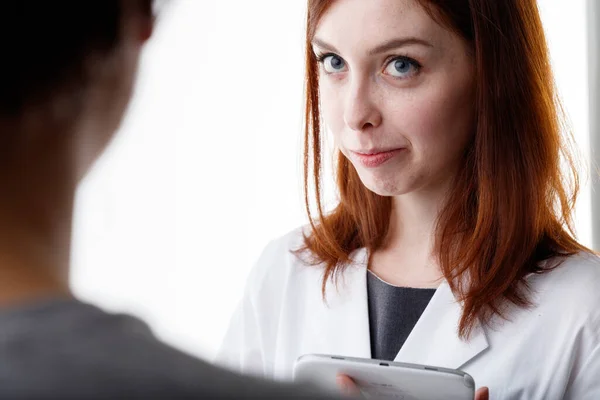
<point>511,204</point>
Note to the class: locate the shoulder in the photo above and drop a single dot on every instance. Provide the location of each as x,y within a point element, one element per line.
<point>93,349</point>
<point>279,248</point>
<point>577,274</point>
<point>571,287</point>
<point>279,260</point>
<point>282,272</point>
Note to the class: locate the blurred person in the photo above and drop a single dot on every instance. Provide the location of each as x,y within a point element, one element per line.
<point>67,75</point>
<point>451,243</point>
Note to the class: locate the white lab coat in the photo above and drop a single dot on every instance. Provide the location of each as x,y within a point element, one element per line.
<point>550,351</point>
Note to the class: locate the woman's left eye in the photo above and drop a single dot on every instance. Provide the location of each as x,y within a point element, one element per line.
<point>402,67</point>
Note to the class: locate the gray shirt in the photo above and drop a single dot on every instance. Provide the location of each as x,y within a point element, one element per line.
<point>66,349</point>
<point>393,313</point>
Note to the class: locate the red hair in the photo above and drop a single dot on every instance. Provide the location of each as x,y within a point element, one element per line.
<point>511,203</point>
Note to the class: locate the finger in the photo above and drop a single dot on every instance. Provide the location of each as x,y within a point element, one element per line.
<point>347,385</point>
<point>482,394</point>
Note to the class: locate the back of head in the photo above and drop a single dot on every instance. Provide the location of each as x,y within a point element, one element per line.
<point>63,59</point>
<point>55,54</point>
<point>48,45</point>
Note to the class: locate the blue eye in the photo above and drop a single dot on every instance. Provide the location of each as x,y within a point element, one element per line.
<point>332,63</point>
<point>402,67</point>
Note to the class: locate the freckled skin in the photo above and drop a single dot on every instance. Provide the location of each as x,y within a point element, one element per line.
<point>368,104</point>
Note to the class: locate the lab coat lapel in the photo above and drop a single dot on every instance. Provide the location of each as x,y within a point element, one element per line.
<point>434,339</point>
<point>347,312</point>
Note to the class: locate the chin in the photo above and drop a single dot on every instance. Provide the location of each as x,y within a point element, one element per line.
<point>386,181</point>
<point>385,187</point>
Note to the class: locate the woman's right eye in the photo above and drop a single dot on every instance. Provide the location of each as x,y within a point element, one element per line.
<point>332,63</point>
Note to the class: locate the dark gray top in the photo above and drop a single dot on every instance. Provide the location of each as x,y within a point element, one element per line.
<point>393,313</point>
<point>65,349</point>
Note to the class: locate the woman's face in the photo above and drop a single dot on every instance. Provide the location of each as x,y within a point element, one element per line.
<point>397,92</point>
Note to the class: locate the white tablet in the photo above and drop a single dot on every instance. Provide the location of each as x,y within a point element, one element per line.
<point>386,379</point>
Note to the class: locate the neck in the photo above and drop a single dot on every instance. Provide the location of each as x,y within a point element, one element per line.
<point>414,220</point>
<point>35,223</point>
<point>407,257</point>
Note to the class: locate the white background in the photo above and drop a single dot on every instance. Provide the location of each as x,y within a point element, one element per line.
<point>207,166</point>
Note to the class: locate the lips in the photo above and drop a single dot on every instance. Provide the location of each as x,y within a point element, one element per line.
<point>374,158</point>
<point>373,152</point>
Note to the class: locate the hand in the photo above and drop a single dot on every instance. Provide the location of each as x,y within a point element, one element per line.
<point>347,385</point>
<point>349,388</point>
<point>482,393</point>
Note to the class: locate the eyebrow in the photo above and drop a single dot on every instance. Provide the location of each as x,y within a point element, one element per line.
<point>382,48</point>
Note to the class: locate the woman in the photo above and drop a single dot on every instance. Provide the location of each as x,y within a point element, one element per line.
<point>451,244</point>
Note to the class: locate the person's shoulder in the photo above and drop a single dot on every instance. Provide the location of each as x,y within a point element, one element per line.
<point>575,272</point>
<point>281,258</point>
<point>287,243</point>
<point>71,349</point>
<point>571,284</point>
<point>89,353</point>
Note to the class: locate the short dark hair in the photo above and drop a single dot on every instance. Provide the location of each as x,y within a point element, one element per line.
<point>44,44</point>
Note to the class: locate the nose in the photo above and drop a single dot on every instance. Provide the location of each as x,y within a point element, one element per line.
<point>361,113</point>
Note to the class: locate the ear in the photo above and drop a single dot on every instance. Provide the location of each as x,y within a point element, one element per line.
<point>146,29</point>
<point>139,18</point>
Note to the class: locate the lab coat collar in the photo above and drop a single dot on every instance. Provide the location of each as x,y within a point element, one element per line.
<point>433,341</point>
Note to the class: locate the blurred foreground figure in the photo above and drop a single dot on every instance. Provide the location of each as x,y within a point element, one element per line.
<point>67,74</point>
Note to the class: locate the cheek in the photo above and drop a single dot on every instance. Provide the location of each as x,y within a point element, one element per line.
<point>438,121</point>
<point>332,110</point>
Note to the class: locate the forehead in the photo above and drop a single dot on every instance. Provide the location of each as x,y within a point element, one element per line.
<point>367,23</point>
